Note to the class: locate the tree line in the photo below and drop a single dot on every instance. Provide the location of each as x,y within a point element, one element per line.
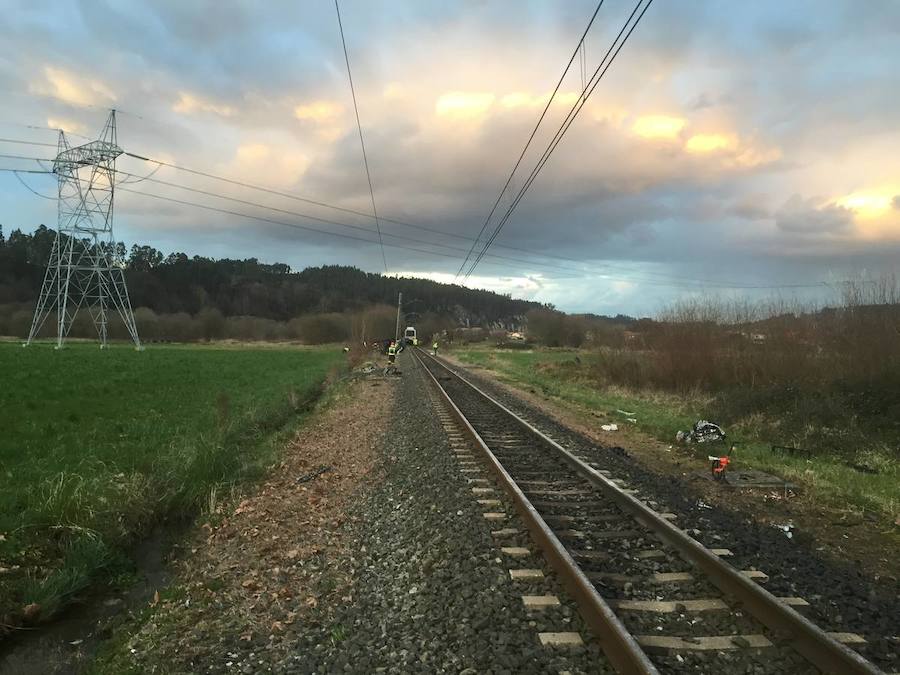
<point>178,296</point>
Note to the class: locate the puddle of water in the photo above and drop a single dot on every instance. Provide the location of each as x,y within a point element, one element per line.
<point>49,650</point>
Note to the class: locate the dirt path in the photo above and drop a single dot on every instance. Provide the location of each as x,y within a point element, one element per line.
<point>252,574</point>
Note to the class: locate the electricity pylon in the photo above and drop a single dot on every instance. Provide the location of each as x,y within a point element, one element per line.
<point>85,269</point>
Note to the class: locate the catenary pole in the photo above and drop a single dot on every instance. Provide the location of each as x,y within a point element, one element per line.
<point>399,309</point>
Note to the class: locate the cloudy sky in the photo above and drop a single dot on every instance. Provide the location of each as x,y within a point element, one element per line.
<point>730,144</point>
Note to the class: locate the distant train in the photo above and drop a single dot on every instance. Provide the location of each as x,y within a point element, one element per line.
<point>410,337</point>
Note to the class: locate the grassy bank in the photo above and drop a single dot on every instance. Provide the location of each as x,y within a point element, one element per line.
<point>825,472</point>
<point>97,447</point>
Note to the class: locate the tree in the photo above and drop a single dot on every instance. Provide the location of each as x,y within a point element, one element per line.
<point>211,323</point>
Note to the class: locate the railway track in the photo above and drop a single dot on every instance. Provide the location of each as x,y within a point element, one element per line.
<point>657,599</point>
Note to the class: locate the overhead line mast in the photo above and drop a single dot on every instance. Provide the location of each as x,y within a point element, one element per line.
<point>85,268</point>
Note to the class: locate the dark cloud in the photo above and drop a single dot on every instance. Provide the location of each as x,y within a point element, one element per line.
<point>750,209</point>
<point>801,216</point>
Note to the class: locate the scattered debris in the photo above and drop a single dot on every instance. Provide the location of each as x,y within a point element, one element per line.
<point>626,413</point>
<point>703,505</point>
<point>719,466</point>
<point>609,427</point>
<point>787,529</point>
<point>305,478</point>
<point>703,431</point>
<point>633,420</point>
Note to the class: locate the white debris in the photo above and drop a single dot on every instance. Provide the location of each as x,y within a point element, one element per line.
<point>609,427</point>
<point>788,530</point>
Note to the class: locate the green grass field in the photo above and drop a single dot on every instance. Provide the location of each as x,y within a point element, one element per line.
<point>661,415</point>
<point>97,447</point>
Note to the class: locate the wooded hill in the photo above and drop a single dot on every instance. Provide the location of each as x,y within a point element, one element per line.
<point>176,283</point>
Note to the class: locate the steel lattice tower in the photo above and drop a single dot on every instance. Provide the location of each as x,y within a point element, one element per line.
<point>85,269</point>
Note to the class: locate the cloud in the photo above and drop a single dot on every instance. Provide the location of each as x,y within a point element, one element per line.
<point>72,89</point>
<point>464,104</point>
<point>867,204</point>
<point>318,111</point>
<point>709,143</point>
<point>659,126</point>
<point>274,163</point>
<point>189,103</point>
<point>809,216</point>
<point>751,208</point>
<point>69,126</point>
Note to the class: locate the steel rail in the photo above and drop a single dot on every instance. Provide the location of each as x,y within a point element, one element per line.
<point>616,641</point>
<point>814,644</point>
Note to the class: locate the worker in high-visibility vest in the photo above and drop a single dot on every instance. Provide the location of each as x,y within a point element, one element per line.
<point>434,348</point>
<point>392,352</point>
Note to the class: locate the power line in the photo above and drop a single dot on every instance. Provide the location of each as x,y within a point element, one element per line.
<point>287,224</point>
<point>134,179</point>
<point>530,138</point>
<point>684,282</point>
<point>361,141</point>
<point>33,159</point>
<point>425,251</point>
<point>13,140</point>
<point>567,123</point>
<point>29,188</point>
<point>26,171</point>
<point>333,222</point>
<point>355,212</point>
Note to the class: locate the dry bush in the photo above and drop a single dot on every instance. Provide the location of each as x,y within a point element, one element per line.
<point>316,329</point>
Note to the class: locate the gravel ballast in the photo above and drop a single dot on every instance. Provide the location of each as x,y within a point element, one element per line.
<point>431,589</point>
<point>841,597</point>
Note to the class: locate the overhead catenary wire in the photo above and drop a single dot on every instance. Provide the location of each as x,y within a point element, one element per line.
<point>570,118</point>
<point>362,142</point>
<point>531,136</point>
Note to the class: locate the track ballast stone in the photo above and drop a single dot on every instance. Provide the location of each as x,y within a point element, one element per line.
<point>842,598</point>
<point>432,591</point>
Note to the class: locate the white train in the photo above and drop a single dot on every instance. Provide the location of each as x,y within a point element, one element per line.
<point>410,337</point>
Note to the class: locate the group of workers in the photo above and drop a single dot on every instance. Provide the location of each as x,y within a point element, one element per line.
<point>394,349</point>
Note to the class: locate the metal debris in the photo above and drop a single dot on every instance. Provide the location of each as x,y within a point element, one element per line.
<point>305,478</point>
